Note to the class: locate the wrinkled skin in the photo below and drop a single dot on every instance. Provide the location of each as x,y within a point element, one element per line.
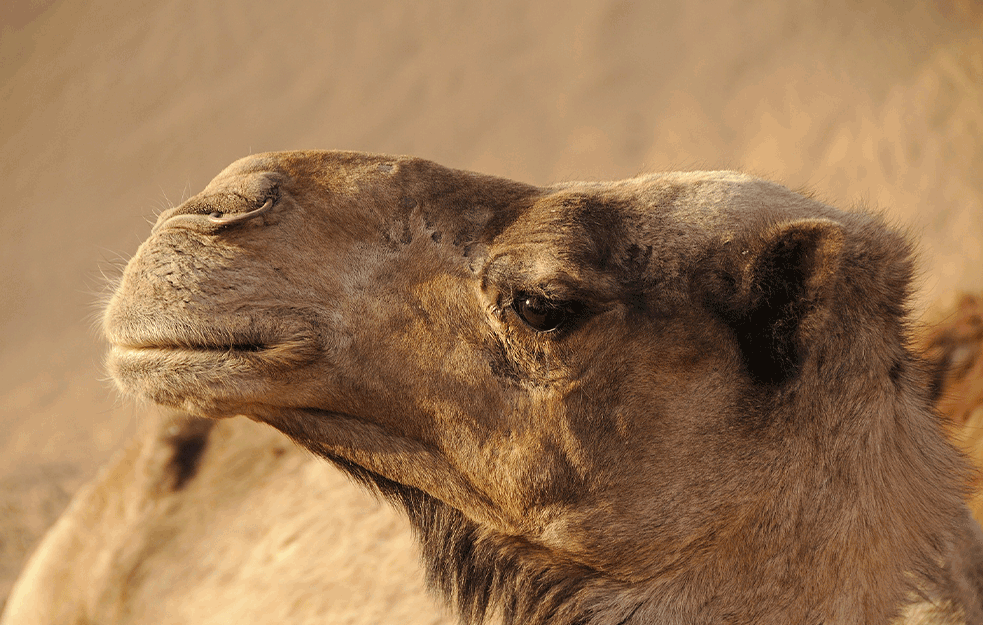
<point>725,425</point>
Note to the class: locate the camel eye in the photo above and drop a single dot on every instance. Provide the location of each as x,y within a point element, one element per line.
<point>539,314</point>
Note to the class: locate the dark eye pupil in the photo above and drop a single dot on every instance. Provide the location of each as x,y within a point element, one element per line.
<point>539,314</point>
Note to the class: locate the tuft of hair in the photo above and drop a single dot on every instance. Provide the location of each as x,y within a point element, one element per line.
<point>484,573</point>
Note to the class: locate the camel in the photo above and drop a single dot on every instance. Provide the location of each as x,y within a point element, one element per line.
<point>681,398</point>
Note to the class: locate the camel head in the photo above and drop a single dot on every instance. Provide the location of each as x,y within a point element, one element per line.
<point>681,396</point>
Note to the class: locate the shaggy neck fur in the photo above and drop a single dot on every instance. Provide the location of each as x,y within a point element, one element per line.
<point>483,573</point>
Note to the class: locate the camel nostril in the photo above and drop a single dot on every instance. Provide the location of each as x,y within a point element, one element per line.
<point>194,221</point>
<point>218,217</point>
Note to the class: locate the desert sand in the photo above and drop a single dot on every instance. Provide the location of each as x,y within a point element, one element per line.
<point>115,111</point>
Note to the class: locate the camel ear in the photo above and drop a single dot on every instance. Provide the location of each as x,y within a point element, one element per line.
<point>772,289</point>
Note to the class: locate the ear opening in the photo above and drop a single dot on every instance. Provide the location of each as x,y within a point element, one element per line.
<point>772,289</point>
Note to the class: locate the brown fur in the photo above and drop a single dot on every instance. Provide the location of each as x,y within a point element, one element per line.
<point>728,427</point>
<point>954,345</point>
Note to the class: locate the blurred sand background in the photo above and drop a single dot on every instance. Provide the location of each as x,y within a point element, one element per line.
<point>114,111</point>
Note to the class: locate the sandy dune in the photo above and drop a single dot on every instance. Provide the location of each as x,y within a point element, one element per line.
<point>114,111</point>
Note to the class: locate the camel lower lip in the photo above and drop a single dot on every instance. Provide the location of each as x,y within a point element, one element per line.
<point>171,376</point>
<point>205,381</point>
<point>139,368</point>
